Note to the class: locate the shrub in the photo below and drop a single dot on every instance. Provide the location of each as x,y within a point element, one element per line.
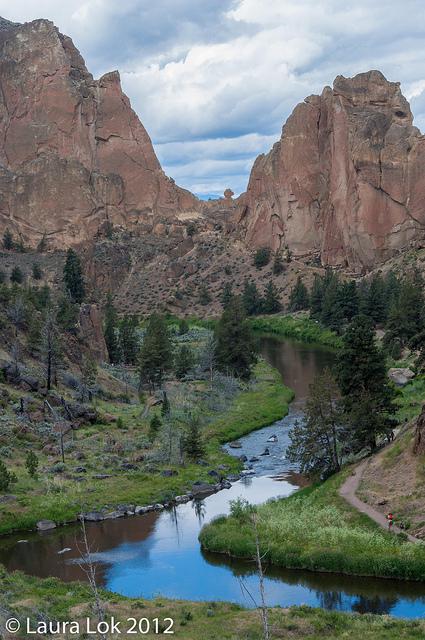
<point>262,257</point>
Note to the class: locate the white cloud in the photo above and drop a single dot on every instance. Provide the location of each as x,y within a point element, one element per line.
<point>213,82</point>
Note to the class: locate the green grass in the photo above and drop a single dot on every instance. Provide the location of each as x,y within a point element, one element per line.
<point>22,596</point>
<point>298,328</point>
<point>316,529</point>
<point>411,399</point>
<point>61,499</point>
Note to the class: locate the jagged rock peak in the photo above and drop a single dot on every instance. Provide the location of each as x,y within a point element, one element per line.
<point>73,153</point>
<point>346,181</point>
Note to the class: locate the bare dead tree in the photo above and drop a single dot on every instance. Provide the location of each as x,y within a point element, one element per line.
<point>259,560</point>
<point>88,566</point>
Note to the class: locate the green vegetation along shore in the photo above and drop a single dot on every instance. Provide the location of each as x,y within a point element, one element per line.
<point>298,328</point>
<point>257,404</point>
<point>316,529</point>
<point>51,599</point>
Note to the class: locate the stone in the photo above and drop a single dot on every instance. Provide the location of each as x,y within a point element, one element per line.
<point>225,484</point>
<point>400,376</point>
<point>94,516</point>
<point>113,515</point>
<point>80,470</point>
<point>346,180</point>
<point>60,127</point>
<point>101,476</point>
<point>168,473</point>
<point>46,525</point>
<point>200,487</point>
<point>213,473</point>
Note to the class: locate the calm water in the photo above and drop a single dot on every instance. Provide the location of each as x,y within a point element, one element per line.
<point>159,553</point>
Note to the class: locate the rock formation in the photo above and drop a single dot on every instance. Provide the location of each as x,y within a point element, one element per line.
<point>73,154</point>
<point>419,441</point>
<point>345,181</point>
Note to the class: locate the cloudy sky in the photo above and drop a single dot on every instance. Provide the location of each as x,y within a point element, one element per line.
<point>214,80</point>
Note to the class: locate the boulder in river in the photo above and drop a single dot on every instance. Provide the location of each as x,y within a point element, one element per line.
<point>46,525</point>
<point>235,445</point>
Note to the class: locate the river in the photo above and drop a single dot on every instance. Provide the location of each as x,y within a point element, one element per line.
<point>159,553</point>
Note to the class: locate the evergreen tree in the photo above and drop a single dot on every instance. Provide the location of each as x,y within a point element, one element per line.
<point>2,276</point>
<point>278,264</point>
<point>183,327</point>
<point>128,339</point>
<point>34,338</point>
<point>235,348</point>
<point>8,242</point>
<point>271,299</point>
<point>251,299</point>
<point>154,427</point>
<point>193,444</point>
<point>204,295</point>
<point>316,442</point>
<point>37,273</point>
<point>6,477</point>
<point>376,301</point>
<point>349,300</point>
<point>366,392</point>
<point>16,276</point>
<point>73,277</point>
<point>31,463</point>
<point>67,314</point>
<point>110,331</point>
<point>165,407</point>
<point>184,361</point>
<point>332,305</point>
<point>43,297</point>
<point>262,257</point>
<point>316,298</point>
<point>156,354</point>
<point>226,295</point>
<point>51,350</point>
<point>298,299</point>
<point>88,378</point>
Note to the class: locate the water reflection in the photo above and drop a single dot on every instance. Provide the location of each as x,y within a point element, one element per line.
<point>159,552</point>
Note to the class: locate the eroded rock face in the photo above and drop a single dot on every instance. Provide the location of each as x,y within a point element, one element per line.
<point>346,179</point>
<point>73,154</point>
<point>419,441</point>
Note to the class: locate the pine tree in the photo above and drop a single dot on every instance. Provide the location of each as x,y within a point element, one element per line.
<point>376,301</point>
<point>88,378</point>
<point>165,407</point>
<point>110,331</point>
<point>251,299</point>
<point>184,361</point>
<point>193,444</point>
<point>128,339</point>
<point>235,351</point>
<point>67,314</point>
<point>51,350</point>
<point>154,427</point>
<point>16,276</point>
<point>226,295</point>
<point>332,305</point>
<point>316,442</point>
<point>31,463</point>
<point>156,354</point>
<point>44,297</point>
<point>262,257</point>
<point>37,273</point>
<point>204,295</point>
<point>316,298</point>
<point>6,477</point>
<point>278,264</point>
<point>271,299</point>
<point>349,300</point>
<point>366,392</point>
<point>73,277</point>
<point>34,337</point>
<point>298,299</point>
<point>8,242</point>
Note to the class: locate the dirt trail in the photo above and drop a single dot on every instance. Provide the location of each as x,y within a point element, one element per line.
<point>348,492</point>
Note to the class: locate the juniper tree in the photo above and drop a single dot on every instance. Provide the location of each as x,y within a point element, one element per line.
<point>278,264</point>
<point>8,242</point>
<point>16,276</point>
<point>193,444</point>
<point>251,299</point>
<point>110,330</point>
<point>235,351</point>
<point>366,392</point>
<point>184,361</point>
<point>73,277</point>
<point>128,339</point>
<point>31,463</point>
<point>156,353</point>
<point>154,427</point>
<point>298,299</point>
<point>271,299</point>
<point>37,273</point>
<point>51,351</point>
<point>6,477</point>
<point>226,295</point>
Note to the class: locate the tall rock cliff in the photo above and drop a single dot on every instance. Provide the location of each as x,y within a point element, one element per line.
<point>73,154</point>
<point>345,181</point>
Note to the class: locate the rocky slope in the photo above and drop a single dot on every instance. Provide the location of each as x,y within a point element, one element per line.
<point>73,154</point>
<point>346,180</point>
